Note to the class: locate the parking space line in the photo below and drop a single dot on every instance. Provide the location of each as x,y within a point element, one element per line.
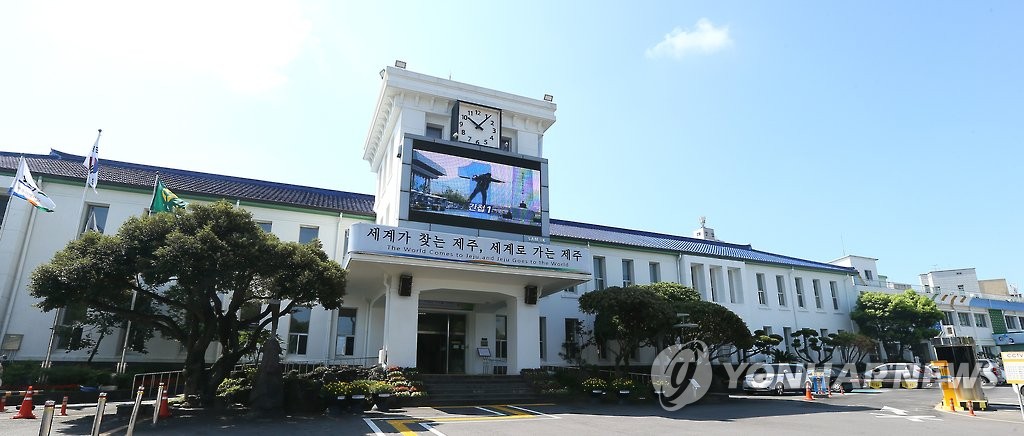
<point>431,429</point>
<point>489,411</point>
<point>400,425</point>
<point>509,411</point>
<point>535,412</point>
<point>376,430</point>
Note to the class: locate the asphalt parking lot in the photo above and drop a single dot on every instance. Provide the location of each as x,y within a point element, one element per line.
<point>867,412</point>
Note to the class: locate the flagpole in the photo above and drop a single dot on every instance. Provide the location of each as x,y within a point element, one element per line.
<point>122,366</point>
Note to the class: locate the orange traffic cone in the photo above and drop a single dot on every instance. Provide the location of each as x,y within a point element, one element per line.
<point>26,406</point>
<point>952,406</point>
<point>64,406</point>
<point>970,408</point>
<point>807,392</point>
<point>165,411</point>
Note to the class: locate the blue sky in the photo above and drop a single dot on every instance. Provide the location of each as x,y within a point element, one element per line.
<point>804,128</point>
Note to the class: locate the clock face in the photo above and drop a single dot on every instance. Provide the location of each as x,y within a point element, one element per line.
<point>478,125</point>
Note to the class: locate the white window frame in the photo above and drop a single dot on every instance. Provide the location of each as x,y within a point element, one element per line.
<point>780,286</point>
<point>818,303</point>
<point>762,292</point>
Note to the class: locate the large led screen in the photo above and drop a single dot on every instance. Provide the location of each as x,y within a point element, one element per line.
<point>470,188</point>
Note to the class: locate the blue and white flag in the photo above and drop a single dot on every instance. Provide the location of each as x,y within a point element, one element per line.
<point>25,187</point>
<point>92,162</point>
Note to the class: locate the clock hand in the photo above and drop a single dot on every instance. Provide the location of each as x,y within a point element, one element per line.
<point>484,121</point>
<point>478,125</point>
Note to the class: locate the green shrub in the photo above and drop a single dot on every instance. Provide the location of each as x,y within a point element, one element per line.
<point>594,384</point>
<point>235,390</point>
<point>77,375</point>
<point>623,384</point>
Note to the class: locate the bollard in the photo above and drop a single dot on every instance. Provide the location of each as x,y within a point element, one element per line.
<point>156,404</point>
<point>970,408</point>
<point>100,405</point>
<point>47,421</point>
<point>135,411</point>
<point>64,406</point>
<point>952,407</point>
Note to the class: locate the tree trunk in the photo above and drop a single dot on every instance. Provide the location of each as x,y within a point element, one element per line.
<point>95,348</point>
<point>195,372</point>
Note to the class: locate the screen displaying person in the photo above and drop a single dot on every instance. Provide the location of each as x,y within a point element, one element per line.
<point>483,183</point>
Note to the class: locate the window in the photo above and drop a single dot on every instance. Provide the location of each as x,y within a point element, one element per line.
<point>840,331</point>
<point>433,131</point>
<point>780,284</point>
<point>598,273</point>
<point>1021,319</point>
<point>501,337</point>
<point>816,285</point>
<point>824,333</point>
<point>505,144</point>
<point>69,331</point>
<point>543,334</point>
<point>655,272</point>
<point>4,201</point>
<point>762,293</point>
<point>346,334</point>
<point>95,219</point>
<point>735,285</point>
<point>960,288</point>
<point>869,275</point>
<point>308,234</point>
<point>947,318</point>
<point>767,330</point>
<point>714,284</point>
<point>298,330</point>
<point>572,347</point>
<point>265,225</point>
<point>833,286</point>
<point>980,320</point>
<point>799,282</point>
<point>787,334</point>
<point>570,289</point>
<point>627,272</point>
<point>1011,323</point>
<point>965,318</point>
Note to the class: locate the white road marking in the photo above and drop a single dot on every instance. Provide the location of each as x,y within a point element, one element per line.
<point>490,411</point>
<point>376,430</point>
<point>535,412</point>
<point>900,413</point>
<point>431,429</point>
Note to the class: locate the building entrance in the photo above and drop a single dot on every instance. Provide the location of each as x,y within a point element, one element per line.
<point>441,343</point>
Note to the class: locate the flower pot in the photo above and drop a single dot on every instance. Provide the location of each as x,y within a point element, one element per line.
<point>383,402</point>
<point>359,404</point>
<point>337,405</point>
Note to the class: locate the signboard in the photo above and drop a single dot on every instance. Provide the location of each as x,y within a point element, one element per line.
<point>367,238</point>
<point>1009,338</point>
<point>1013,365</point>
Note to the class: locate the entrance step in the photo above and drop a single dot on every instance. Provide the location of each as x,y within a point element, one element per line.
<point>476,389</point>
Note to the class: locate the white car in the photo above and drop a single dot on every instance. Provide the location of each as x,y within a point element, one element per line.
<point>897,374</point>
<point>775,378</point>
<point>991,373</point>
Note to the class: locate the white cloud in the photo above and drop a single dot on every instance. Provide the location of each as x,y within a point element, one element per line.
<point>705,39</point>
<point>246,44</point>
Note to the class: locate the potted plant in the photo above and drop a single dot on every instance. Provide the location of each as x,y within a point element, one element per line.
<point>360,395</point>
<point>382,392</point>
<point>623,387</point>
<point>595,386</point>
<point>337,394</point>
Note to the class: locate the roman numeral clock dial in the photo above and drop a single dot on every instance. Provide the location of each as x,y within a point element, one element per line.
<point>476,124</point>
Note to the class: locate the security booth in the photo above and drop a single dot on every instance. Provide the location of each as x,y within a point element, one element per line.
<point>959,374</point>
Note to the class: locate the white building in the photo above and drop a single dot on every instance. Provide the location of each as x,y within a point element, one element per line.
<point>446,266</point>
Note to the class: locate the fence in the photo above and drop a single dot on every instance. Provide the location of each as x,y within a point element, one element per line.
<point>174,382</point>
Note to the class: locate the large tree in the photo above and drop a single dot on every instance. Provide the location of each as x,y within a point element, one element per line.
<point>721,329</point>
<point>196,269</point>
<point>631,317</point>
<point>811,347</point>
<point>898,321</point>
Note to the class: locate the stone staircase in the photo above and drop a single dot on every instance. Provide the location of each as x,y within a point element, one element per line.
<point>453,390</point>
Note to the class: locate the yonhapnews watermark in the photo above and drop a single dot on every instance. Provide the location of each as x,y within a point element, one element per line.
<point>681,374</point>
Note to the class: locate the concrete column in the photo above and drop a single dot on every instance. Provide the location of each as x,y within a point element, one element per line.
<point>524,336</point>
<point>401,316</point>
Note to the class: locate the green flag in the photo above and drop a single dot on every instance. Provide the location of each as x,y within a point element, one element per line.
<point>164,200</point>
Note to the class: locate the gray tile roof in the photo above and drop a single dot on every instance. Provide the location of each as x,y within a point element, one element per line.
<point>183,183</point>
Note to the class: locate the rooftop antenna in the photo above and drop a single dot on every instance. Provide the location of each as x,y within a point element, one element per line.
<point>843,241</point>
<point>703,219</point>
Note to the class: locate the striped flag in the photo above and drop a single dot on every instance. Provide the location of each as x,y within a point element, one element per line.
<point>24,187</point>
<point>92,162</point>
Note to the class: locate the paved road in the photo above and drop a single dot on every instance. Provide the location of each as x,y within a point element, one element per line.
<point>866,412</point>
